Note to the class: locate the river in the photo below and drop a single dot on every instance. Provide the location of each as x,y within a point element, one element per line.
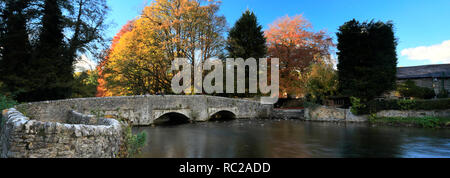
<point>292,139</point>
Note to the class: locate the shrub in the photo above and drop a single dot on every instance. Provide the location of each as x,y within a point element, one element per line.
<point>358,107</point>
<point>379,105</point>
<point>443,94</point>
<point>410,89</point>
<point>406,104</point>
<point>374,106</point>
<point>6,102</point>
<point>425,122</point>
<point>132,143</point>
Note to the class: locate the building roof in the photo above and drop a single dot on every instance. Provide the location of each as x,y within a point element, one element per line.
<point>427,71</point>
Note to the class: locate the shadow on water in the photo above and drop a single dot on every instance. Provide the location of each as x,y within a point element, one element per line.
<point>291,139</point>
<point>171,119</point>
<point>222,116</point>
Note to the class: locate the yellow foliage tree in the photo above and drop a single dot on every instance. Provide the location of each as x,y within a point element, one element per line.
<point>137,64</point>
<point>188,28</point>
<point>140,61</point>
<point>167,29</point>
<point>320,82</point>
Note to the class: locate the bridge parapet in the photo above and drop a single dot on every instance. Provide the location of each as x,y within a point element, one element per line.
<point>144,110</point>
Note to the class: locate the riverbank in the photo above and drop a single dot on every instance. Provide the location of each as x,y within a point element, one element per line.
<point>419,122</point>
<point>420,117</point>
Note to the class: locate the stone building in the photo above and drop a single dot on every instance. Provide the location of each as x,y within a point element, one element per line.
<point>430,76</point>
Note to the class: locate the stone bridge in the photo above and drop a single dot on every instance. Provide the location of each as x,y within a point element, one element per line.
<point>145,110</point>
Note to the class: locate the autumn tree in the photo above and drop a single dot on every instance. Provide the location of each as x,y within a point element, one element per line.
<point>167,29</point>
<point>293,41</point>
<point>102,89</point>
<point>190,29</point>
<point>367,59</point>
<point>320,82</point>
<point>137,65</point>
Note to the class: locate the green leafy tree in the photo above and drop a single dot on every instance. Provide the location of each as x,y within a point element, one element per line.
<point>367,59</point>
<point>85,84</point>
<point>322,82</point>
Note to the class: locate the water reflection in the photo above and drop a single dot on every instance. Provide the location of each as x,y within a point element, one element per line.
<point>291,139</point>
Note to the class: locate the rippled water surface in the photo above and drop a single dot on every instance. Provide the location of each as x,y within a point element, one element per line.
<point>291,139</point>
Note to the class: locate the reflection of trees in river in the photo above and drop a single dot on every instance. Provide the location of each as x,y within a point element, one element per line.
<point>371,142</point>
<point>290,139</point>
<point>285,139</point>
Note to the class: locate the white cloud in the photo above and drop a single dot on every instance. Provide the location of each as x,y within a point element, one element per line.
<point>439,53</point>
<point>84,63</point>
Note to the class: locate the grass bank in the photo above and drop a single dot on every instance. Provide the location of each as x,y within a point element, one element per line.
<point>422,122</point>
<point>6,102</point>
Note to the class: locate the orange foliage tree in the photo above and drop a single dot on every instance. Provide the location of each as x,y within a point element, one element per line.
<point>102,90</point>
<point>140,56</point>
<point>293,41</point>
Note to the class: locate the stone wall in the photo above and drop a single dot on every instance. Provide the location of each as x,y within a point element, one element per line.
<point>80,136</point>
<point>323,113</point>
<point>412,113</point>
<point>288,114</point>
<point>331,114</point>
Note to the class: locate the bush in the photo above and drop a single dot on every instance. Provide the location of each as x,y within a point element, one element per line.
<point>425,122</point>
<point>410,89</point>
<point>358,107</point>
<point>379,105</point>
<point>132,143</point>
<point>443,94</point>
<point>6,102</point>
<point>374,106</point>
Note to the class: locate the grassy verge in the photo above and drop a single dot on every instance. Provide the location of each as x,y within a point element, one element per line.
<point>6,102</point>
<point>132,144</point>
<point>423,122</point>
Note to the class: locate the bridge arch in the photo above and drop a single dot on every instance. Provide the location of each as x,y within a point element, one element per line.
<point>171,118</point>
<point>222,115</point>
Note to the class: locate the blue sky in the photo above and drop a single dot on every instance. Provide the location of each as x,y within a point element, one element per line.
<point>422,26</point>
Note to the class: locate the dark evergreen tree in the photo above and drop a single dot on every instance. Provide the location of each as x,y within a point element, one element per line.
<point>16,48</point>
<point>367,59</point>
<point>39,44</point>
<point>246,39</point>
<point>52,70</point>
